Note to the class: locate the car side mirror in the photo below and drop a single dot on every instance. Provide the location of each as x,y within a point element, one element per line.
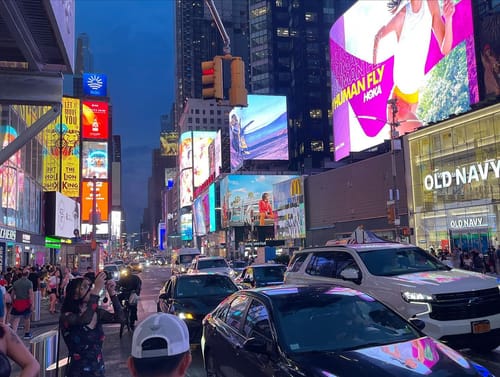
<point>247,280</point>
<point>255,345</point>
<point>351,274</point>
<point>418,323</point>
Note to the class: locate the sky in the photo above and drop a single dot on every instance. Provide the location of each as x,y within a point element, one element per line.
<point>132,42</point>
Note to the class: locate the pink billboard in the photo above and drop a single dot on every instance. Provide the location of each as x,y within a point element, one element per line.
<point>409,65</point>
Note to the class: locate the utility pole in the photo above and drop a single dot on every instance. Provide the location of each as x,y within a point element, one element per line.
<point>393,203</point>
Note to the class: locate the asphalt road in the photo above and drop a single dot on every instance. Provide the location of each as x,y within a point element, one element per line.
<point>116,350</point>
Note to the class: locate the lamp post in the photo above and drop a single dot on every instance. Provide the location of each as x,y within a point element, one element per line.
<point>392,204</point>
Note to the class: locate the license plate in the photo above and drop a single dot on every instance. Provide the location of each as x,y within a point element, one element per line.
<point>480,327</point>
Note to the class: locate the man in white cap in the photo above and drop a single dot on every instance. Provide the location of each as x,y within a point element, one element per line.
<point>160,347</point>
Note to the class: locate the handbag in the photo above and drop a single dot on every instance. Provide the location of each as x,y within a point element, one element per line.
<point>133,298</point>
<point>21,305</point>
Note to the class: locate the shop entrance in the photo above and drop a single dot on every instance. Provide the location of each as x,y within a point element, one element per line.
<point>470,239</point>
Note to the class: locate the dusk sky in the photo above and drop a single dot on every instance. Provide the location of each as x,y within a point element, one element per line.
<point>132,42</point>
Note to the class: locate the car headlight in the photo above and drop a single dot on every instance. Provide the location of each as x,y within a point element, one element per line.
<point>184,316</point>
<point>416,297</point>
<point>183,269</point>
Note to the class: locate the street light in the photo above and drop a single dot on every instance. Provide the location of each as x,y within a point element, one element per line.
<point>394,192</point>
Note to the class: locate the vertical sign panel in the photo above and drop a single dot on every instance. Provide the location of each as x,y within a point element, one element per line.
<point>70,151</point>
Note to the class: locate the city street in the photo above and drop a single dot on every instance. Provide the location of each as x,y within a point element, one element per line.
<point>116,350</point>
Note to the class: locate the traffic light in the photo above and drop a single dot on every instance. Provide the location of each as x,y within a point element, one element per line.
<point>237,91</point>
<point>211,78</point>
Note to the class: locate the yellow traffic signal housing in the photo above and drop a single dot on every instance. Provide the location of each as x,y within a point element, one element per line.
<point>237,91</point>
<point>212,79</point>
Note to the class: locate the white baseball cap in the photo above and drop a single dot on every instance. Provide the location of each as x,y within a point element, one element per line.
<point>167,327</point>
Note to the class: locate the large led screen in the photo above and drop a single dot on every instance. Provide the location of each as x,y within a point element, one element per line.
<point>259,131</point>
<point>240,196</point>
<point>489,53</point>
<point>204,212</point>
<point>393,57</point>
<point>169,143</point>
<point>288,199</point>
<point>94,159</point>
<point>186,227</point>
<point>199,142</point>
<point>95,120</point>
<point>102,200</point>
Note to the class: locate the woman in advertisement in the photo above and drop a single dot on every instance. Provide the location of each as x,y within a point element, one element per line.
<point>412,23</point>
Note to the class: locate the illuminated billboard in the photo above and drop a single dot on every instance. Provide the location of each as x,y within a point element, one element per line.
<point>199,142</point>
<point>94,159</point>
<point>95,84</point>
<point>61,151</point>
<point>186,227</point>
<point>489,53</point>
<point>169,143</point>
<point>204,212</point>
<point>376,75</point>
<point>240,196</point>
<point>259,131</point>
<point>102,200</point>
<point>288,197</point>
<point>95,120</point>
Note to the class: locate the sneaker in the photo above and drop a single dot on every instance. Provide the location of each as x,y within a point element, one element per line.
<point>27,336</point>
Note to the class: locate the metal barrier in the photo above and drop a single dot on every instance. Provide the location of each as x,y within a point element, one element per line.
<point>35,315</point>
<point>44,348</point>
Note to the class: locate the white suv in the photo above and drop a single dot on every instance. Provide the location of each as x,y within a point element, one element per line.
<point>210,264</point>
<point>458,306</point>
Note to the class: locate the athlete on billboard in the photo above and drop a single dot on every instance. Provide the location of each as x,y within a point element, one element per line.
<point>412,23</point>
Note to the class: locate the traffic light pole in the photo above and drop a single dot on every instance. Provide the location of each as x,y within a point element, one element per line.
<point>220,26</point>
<point>394,193</point>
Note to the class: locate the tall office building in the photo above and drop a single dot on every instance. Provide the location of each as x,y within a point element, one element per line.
<point>84,63</point>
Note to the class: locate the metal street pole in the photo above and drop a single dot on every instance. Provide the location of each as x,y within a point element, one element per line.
<point>394,192</point>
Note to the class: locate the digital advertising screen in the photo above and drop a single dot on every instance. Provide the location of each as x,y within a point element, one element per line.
<point>488,40</point>
<point>186,227</point>
<point>218,153</point>
<point>204,212</point>
<point>102,199</point>
<point>162,239</point>
<point>169,143</point>
<point>240,196</point>
<point>425,75</point>
<point>259,131</point>
<point>95,120</point>
<point>288,197</point>
<point>95,84</point>
<point>94,159</point>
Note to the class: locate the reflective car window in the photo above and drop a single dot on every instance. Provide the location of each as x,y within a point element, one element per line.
<point>297,261</point>
<point>257,321</point>
<point>206,285</point>
<point>234,317</point>
<point>322,264</point>
<point>344,260</point>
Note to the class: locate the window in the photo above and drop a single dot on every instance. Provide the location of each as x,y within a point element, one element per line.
<point>321,264</point>
<point>257,322</point>
<point>234,317</point>
<point>298,261</point>
<point>282,32</point>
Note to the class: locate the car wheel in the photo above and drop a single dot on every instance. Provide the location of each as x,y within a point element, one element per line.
<point>210,365</point>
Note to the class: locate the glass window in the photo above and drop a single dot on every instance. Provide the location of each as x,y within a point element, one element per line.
<point>297,261</point>
<point>321,264</point>
<point>234,317</point>
<point>257,322</point>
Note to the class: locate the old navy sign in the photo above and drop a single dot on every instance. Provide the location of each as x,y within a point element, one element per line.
<point>469,222</point>
<point>461,176</point>
<point>7,234</point>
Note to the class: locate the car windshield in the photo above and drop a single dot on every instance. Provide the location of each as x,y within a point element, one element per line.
<point>209,285</point>
<point>211,263</point>
<point>391,262</point>
<point>239,264</point>
<point>269,274</point>
<point>337,321</point>
<point>111,268</point>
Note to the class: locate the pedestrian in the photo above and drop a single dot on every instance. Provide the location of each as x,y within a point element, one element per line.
<point>81,324</point>
<point>11,346</point>
<point>497,254</point>
<point>477,261</point>
<point>54,283</point>
<point>492,266</point>
<point>160,347</point>
<point>22,303</point>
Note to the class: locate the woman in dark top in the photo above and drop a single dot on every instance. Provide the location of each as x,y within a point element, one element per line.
<point>81,324</point>
<point>12,347</point>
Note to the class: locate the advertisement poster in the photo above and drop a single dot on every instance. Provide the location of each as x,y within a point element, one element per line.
<point>95,84</point>
<point>425,75</point>
<point>489,49</point>
<point>95,120</point>
<point>204,212</point>
<point>94,159</point>
<point>186,227</point>
<point>259,131</point>
<point>288,199</point>
<point>169,143</point>
<point>101,195</point>
<point>240,196</point>
<point>8,171</point>
<point>70,150</point>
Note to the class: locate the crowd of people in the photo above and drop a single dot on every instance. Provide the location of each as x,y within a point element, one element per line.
<point>472,260</point>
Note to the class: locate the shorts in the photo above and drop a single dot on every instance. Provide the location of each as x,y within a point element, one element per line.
<point>24,314</point>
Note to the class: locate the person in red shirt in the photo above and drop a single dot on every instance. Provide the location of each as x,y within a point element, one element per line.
<point>265,209</point>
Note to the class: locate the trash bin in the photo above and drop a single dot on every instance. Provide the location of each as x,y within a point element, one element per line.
<point>44,348</point>
<point>35,316</point>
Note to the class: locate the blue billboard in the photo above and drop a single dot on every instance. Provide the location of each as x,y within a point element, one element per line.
<point>95,84</point>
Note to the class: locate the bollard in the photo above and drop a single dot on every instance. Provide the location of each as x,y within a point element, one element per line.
<point>35,315</point>
<point>44,348</point>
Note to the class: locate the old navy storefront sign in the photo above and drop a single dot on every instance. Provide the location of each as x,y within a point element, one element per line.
<point>469,222</point>
<point>7,234</point>
<point>464,175</point>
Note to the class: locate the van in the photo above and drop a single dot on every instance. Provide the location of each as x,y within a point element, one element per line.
<point>456,306</point>
<point>182,258</point>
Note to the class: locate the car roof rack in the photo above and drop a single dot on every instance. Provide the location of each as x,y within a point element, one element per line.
<point>359,236</point>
